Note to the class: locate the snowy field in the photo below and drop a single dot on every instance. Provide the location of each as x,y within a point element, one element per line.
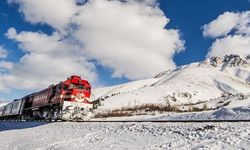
<point>95,136</point>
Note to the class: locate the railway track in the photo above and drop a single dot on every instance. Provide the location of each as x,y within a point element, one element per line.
<point>174,121</point>
<point>137,121</point>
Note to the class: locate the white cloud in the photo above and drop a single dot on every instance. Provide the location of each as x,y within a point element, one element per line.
<point>128,37</point>
<point>47,59</point>
<point>232,33</point>
<point>244,23</point>
<point>222,25</point>
<point>3,52</point>
<point>2,100</point>
<point>237,44</point>
<point>6,65</point>
<point>56,13</point>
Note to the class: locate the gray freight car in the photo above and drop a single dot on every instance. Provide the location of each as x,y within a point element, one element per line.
<point>12,110</point>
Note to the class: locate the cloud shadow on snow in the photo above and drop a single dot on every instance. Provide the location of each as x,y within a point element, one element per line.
<point>6,125</point>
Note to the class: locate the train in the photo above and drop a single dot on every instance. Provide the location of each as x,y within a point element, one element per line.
<point>68,100</point>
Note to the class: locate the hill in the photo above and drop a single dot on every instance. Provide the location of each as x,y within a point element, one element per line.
<point>217,82</point>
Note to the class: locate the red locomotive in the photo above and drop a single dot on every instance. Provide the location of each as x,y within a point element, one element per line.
<point>66,100</point>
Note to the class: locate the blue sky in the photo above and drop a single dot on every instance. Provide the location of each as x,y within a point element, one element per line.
<point>187,17</point>
<point>190,16</point>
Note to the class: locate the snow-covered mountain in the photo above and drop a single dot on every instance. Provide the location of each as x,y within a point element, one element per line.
<point>214,82</point>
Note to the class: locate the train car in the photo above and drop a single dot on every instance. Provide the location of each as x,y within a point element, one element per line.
<point>67,100</point>
<point>17,107</point>
<point>1,111</point>
<point>76,95</point>
<point>12,110</point>
<point>41,98</point>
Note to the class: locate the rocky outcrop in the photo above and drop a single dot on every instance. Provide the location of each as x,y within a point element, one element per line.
<point>228,60</point>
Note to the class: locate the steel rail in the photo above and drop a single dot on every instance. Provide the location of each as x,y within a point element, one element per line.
<point>135,121</point>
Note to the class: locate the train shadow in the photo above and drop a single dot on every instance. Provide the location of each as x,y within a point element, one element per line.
<point>9,125</point>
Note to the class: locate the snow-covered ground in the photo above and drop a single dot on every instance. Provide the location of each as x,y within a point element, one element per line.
<point>105,136</point>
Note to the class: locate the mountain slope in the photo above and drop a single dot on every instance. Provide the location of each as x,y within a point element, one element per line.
<point>186,85</point>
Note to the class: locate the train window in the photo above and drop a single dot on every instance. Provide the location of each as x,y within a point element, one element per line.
<point>77,86</point>
<point>80,86</point>
<point>72,86</point>
<point>15,106</point>
<point>59,88</point>
<point>65,87</point>
<point>10,107</point>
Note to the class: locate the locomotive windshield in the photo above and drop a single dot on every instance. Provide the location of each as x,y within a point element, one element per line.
<point>78,86</point>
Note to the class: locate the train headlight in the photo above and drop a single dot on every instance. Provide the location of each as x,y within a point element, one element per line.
<point>70,108</point>
<point>79,97</point>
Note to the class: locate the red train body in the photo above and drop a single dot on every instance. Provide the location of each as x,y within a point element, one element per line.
<point>74,89</point>
<point>66,100</point>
